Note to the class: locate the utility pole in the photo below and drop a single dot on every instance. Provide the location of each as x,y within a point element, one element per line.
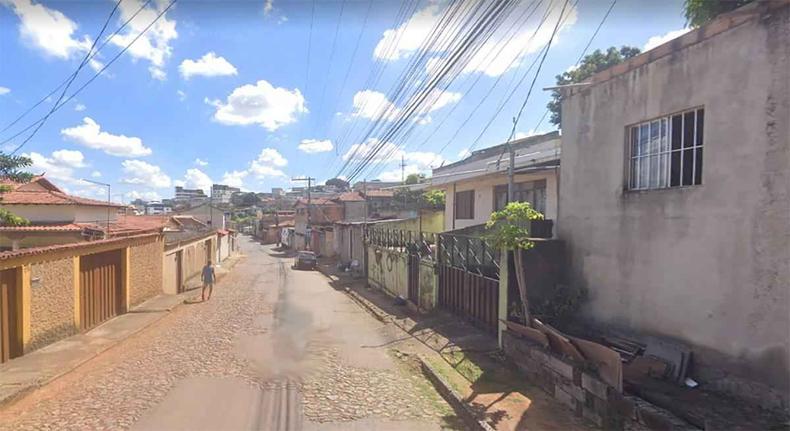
<point>403,179</point>
<point>309,205</point>
<point>510,188</point>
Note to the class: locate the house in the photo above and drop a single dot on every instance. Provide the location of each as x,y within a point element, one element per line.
<point>361,186</point>
<point>675,201</point>
<point>55,217</point>
<point>189,195</point>
<point>380,203</point>
<point>319,215</point>
<point>221,193</point>
<point>477,185</point>
<point>208,214</point>
<point>157,208</point>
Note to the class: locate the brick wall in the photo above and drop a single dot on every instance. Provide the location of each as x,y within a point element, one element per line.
<point>51,302</point>
<point>145,275</point>
<point>583,392</point>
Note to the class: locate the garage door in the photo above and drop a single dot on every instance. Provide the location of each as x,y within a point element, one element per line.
<point>10,341</point>
<point>101,290</point>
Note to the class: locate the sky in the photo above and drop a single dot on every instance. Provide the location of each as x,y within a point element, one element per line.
<point>254,93</point>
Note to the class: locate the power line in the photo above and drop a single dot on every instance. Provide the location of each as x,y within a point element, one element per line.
<point>73,77</point>
<point>309,47</point>
<point>329,67</point>
<point>96,75</point>
<point>92,54</point>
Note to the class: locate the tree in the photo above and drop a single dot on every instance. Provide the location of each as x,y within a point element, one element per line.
<point>339,183</point>
<point>415,178</point>
<point>700,12</point>
<point>9,170</point>
<point>509,229</point>
<point>589,66</point>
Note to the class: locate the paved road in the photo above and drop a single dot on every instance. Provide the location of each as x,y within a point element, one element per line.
<point>273,349</point>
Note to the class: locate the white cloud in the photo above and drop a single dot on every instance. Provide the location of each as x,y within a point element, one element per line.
<point>79,107</point>
<point>372,105</point>
<point>263,104</point>
<point>403,41</point>
<point>661,39</point>
<point>268,6</point>
<point>149,195</point>
<point>464,153</point>
<point>54,169</point>
<point>270,156</point>
<point>96,174</point>
<point>315,146</point>
<point>181,95</point>
<point>154,45</point>
<point>359,152</point>
<point>417,161</point>
<point>196,179</point>
<point>235,178</point>
<point>140,172</point>
<point>71,158</point>
<point>209,65</point>
<point>48,30</point>
<point>506,49</point>
<point>4,90</point>
<point>90,135</point>
<point>262,171</point>
<point>532,132</point>
<point>200,162</point>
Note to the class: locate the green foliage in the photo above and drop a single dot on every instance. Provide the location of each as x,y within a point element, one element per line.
<point>433,199</point>
<point>8,219</point>
<point>9,168</point>
<point>700,12</point>
<point>589,66</point>
<point>509,227</point>
<point>559,305</point>
<point>415,178</point>
<point>339,183</point>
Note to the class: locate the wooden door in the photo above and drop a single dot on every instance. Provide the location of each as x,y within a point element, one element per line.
<point>101,289</point>
<point>10,340</point>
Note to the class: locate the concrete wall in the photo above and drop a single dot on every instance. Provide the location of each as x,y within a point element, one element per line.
<point>387,270</point>
<point>354,211</point>
<point>51,302</point>
<point>194,255</point>
<point>169,274</point>
<point>145,271</point>
<point>707,264</point>
<point>61,213</point>
<point>484,197</point>
<point>432,221</point>
<point>41,240</point>
<point>429,282</point>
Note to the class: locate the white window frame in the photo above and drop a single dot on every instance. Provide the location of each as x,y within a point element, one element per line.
<point>635,182</point>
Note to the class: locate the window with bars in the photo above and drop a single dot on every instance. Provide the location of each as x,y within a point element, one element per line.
<point>533,192</point>
<point>666,152</point>
<point>465,205</point>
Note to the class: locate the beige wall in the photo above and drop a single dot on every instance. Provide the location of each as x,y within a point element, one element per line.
<point>145,274</point>
<point>51,302</point>
<point>61,213</point>
<point>484,197</point>
<point>194,255</point>
<point>42,239</point>
<point>707,264</point>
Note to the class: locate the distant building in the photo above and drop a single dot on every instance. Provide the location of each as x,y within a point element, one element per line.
<point>222,194</point>
<point>157,208</point>
<point>277,191</point>
<point>374,185</point>
<point>189,195</point>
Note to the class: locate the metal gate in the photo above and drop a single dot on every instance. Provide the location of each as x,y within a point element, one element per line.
<point>472,296</point>
<point>413,280</point>
<point>10,340</point>
<point>101,290</point>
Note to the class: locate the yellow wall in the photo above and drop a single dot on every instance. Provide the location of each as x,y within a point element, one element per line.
<point>432,221</point>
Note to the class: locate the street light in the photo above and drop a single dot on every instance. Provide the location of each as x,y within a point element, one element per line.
<point>109,201</point>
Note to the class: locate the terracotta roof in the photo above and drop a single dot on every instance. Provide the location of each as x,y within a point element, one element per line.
<point>40,191</point>
<point>316,201</point>
<point>380,193</point>
<point>350,197</point>
<point>67,227</point>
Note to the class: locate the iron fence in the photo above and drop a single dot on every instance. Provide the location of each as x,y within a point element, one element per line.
<point>470,253</point>
<point>422,244</point>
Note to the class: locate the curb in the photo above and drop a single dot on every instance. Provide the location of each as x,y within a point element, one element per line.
<point>28,389</point>
<point>453,398</point>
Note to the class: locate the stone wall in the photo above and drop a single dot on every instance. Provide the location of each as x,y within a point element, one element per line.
<point>582,391</point>
<point>145,272</point>
<point>51,302</point>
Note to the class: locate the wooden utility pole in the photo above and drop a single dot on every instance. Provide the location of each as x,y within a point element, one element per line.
<point>309,205</point>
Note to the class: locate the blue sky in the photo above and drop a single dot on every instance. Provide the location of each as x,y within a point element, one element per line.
<point>222,91</point>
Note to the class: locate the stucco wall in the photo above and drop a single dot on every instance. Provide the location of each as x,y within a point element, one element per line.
<point>51,302</point>
<point>61,213</point>
<point>354,211</point>
<point>145,274</point>
<point>41,240</point>
<point>484,197</point>
<point>388,270</point>
<point>708,264</point>
<point>429,282</point>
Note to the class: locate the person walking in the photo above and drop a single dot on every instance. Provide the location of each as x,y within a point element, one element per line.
<point>209,277</point>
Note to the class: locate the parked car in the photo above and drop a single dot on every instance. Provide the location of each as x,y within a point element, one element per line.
<point>305,260</point>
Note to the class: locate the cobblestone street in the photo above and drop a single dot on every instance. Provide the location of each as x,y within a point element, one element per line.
<point>273,349</point>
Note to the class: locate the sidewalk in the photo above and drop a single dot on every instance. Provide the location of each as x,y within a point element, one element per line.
<point>27,373</point>
<point>467,360</point>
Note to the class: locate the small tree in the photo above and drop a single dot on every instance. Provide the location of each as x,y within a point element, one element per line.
<point>509,229</point>
<point>9,170</point>
<point>700,12</point>
<point>339,183</point>
<point>589,66</point>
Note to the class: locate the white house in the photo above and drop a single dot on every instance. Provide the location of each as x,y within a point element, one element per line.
<point>477,185</point>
